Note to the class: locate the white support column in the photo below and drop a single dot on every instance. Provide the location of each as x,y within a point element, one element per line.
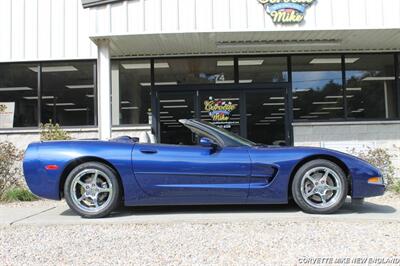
<point>104,89</point>
<point>115,94</point>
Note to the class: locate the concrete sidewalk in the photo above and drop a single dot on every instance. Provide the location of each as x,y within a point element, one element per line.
<point>49,213</point>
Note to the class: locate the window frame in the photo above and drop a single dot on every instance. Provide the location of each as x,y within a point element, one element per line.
<point>151,74</point>
<point>39,81</point>
<point>396,87</point>
<point>37,94</point>
<point>396,58</point>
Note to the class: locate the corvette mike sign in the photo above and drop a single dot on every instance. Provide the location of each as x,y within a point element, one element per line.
<point>286,11</point>
<point>220,111</point>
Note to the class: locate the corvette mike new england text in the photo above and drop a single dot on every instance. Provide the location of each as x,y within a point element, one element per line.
<point>350,260</point>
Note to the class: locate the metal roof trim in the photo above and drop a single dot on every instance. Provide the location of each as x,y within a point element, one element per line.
<point>92,3</point>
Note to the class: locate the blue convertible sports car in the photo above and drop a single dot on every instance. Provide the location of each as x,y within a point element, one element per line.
<point>96,176</point>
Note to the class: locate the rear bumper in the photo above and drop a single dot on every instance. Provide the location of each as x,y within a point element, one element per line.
<point>42,183</point>
<point>43,187</point>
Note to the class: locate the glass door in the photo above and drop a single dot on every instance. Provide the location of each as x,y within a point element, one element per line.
<point>261,115</point>
<point>267,116</point>
<point>173,106</point>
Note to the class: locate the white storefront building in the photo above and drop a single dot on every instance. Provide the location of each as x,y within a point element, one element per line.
<point>108,68</point>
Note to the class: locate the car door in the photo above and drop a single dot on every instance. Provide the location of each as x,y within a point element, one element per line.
<point>193,174</point>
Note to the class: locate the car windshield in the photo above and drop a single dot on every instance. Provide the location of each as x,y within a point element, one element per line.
<point>240,140</point>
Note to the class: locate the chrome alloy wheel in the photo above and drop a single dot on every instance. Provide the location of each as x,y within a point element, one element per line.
<point>91,190</point>
<point>321,187</point>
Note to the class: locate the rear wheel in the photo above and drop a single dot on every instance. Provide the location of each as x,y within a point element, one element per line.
<point>92,190</point>
<point>319,187</point>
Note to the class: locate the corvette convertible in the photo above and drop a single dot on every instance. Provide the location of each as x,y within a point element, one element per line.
<point>95,177</point>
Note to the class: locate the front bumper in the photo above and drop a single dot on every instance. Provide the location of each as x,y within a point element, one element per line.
<point>368,190</point>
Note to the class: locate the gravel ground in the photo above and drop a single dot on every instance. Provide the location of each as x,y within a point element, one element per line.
<point>252,242</point>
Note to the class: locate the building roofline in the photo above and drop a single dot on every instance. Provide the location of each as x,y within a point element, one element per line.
<point>92,3</point>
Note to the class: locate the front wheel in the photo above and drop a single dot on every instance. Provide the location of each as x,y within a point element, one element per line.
<point>92,190</point>
<point>319,187</point>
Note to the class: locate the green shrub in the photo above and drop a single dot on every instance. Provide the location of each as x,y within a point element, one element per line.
<point>380,158</point>
<point>396,187</point>
<point>50,131</point>
<point>10,166</point>
<point>17,194</point>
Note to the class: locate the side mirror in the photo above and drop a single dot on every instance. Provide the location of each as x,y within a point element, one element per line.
<point>206,142</point>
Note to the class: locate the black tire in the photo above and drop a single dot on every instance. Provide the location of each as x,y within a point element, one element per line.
<point>300,200</point>
<point>111,204</point>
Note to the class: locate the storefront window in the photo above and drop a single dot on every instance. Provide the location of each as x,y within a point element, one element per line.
<point>317,87</point>
<point>68,93</point>
<point>262,69</point>
<point>131,89</point>
<point>194,71</point>
<point>18,95</point>
<point>370,87</point>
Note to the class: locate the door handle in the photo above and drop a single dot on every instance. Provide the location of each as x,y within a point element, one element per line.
<point>148,151</point>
